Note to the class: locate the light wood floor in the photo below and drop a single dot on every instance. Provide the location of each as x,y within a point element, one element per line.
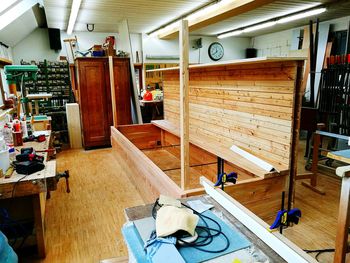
<point>84,226</point>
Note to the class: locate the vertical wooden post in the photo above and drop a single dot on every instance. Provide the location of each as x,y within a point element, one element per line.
<point>184,104</point>
<point>315,153</point>
<point>39,226</point>
<point>111,79</point>
<point>341,242</point>
<point>298,95</point>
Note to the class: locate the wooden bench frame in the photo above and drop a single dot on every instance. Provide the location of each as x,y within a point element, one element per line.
<point>262,190</point>
<point>261,195</point>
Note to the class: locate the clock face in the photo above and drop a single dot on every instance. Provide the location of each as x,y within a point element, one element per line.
<point>216,51</point>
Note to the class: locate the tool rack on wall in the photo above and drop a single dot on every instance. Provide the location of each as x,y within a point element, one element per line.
<point>53,78</point>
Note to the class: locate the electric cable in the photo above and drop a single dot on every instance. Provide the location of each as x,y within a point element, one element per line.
<point>319,251</point>
<point>16,183</point>
<point>205,233</point>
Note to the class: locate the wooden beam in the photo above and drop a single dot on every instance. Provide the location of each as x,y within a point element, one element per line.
<point>184,105</point>
<point>111,79</point>
<point>213,16</point>
<point>298,95</point>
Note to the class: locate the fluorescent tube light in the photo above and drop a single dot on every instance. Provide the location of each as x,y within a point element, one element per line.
<point>192,16</point>
<point>73,15</point>
<point>301,15</point>
<point>210,8</point>
<point>14,12</point>
<point>260,26</point>
<point>6,4</point>
<point>230,34</point>
<point>272,22</point>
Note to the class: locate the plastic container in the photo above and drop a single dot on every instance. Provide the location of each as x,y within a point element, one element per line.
<point>24,128</point>
<point>4,156</point>
<point>12,152</point>
<point>148,96</point>
<point>7,133</point>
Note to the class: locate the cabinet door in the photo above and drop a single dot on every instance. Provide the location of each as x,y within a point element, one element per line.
<point>95,102</point>
<point>122,85</point>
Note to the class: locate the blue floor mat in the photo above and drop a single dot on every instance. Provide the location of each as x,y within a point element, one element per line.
<point>190,254</point>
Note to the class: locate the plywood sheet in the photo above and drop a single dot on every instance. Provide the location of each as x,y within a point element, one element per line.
<point>74,126</point>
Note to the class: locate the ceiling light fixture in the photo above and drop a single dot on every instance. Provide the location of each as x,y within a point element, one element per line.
<point>272,22</point>
<point>301,15</point>
<point>73,16</point>
<point>190,16</point>
<point>231,34</point>
<point>15,10</point>
<point>6,5</point>
<point>259,26</point>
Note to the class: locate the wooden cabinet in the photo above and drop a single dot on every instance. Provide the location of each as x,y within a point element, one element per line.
<point>95,98</point>
<point>121,71</point>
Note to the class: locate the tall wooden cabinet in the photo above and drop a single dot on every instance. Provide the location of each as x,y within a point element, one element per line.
<point>95,98</point>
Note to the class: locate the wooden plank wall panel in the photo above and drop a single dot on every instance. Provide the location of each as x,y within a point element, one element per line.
<point>148,178</point>
<point>250,106</point>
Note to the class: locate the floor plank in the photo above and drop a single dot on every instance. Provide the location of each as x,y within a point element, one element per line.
<point>84,225</point>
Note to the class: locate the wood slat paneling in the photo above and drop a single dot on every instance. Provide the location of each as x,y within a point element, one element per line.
<point>250,106</point>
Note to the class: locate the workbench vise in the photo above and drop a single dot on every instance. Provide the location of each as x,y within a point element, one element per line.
<point>223,178</point>
<point>58,176</point>
<point>65,175</point>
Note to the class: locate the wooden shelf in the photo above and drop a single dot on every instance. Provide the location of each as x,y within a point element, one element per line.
<point>222,150</point>
<point>235,62</point>
<point>4,62</point>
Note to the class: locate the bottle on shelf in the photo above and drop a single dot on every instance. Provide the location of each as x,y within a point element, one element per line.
<point>7,134</point>
<point>16,125</point>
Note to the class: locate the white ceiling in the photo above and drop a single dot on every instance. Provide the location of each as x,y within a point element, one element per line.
<point>19,29</point>
<point>146,15</point>
<point>142,15</point>
<point>278,8</point>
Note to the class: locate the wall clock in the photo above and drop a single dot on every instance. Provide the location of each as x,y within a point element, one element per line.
<point>216,51</point>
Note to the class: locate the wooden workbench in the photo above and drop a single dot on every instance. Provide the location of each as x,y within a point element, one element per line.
<point>33,187</point>
<point>341,242</point>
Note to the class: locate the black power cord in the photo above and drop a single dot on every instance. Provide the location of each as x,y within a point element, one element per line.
<point>205,233</point>
<point>319,251</point>
<point>15,185</point>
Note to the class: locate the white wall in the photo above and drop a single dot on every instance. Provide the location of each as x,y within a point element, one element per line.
<point>36,46</point>
<point>279,43</point>
<point>234,48</point>
<point>275,44</point>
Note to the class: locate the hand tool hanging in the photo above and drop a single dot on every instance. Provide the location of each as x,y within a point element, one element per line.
<point>335,92</point>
